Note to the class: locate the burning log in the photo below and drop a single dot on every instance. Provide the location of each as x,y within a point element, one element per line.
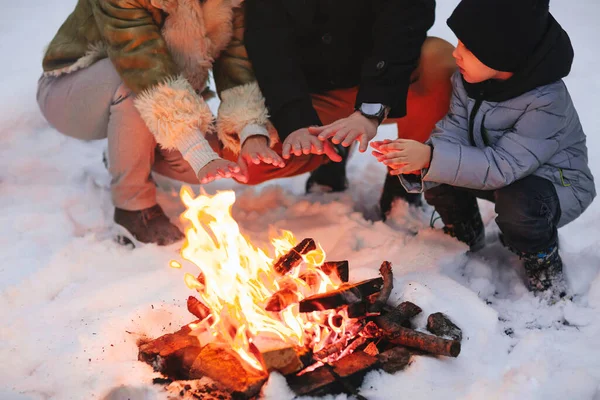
<point>388,284</point>
<point>343,375</point>
<point>339,268</point>
<point>439,324</point>
<point>197,308</point>
<point>213,361</point>
<point>311,278</point>
<point>344,295</point>
<point>398,317</point>
<point>372,349</point>
<point>422,341</point>
<point>394,359</point>
<point>278,356</point>
<point>282,299</point>
<point>166,345</point>
<point>293,258</point>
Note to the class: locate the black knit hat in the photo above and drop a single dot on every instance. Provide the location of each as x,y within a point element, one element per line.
<point>500,33</point>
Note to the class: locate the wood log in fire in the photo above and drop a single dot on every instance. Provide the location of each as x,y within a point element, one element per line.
<point>388,284</point>
<point>197,308</point>
<point>293,258</point>
<point>439,324</point>
<point>343,375</point>
<point>278,356</point>
<point>338,268</point>
<point>191,361</point>
<point>282,299</point>
<point>344,295</point>
<point>398,317</point>
<point>428,343</point>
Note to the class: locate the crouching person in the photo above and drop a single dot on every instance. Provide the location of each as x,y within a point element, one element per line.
<point>512,136</point>
<point>134,71</point>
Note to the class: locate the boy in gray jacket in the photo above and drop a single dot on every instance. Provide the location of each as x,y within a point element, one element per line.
<point>512,136</point>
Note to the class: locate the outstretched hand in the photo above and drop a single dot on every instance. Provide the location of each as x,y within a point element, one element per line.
<point>302,142</point>
<point>403,156</point>
<point>346,131</point>
<point>256,150</point>
<point>219,169</point>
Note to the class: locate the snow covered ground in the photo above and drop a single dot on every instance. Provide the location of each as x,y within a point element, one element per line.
<point>73,303</point>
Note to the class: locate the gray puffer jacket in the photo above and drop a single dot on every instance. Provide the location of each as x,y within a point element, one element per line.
<point>535,133</point>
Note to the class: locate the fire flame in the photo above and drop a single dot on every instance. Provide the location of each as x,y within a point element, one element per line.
<point>237,279</point>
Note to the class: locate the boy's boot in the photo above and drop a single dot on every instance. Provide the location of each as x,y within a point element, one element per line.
<point>470,231</point>
<point>544,270</point>
<point>393,190</point>
<point>330,177</point>
<point>150,225</point>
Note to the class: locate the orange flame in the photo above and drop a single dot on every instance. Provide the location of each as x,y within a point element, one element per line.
<point>239,279</point>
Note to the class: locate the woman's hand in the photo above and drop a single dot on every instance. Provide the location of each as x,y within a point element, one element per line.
<point>218,169</point>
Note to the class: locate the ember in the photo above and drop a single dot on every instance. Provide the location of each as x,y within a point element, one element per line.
<point>293,313</point>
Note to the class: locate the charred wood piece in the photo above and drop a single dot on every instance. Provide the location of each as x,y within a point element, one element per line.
<point>388,284</point>
<point>197,308</point>
<point>372,349</point>
<point>439,324</point>
<point>398,317</point>
<point>293,258</point>
<point>277,356</point>
<point>281,299</point>
<point>344,295</point>
<point>394,359</point>
<point>428,343</point>
<point>343,375</point>
<point>341,269</point>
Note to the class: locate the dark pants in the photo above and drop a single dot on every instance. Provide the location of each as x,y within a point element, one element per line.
<point>528,210</point>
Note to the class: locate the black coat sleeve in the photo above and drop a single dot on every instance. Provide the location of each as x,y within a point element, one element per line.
<point>399,32</point>
<point>269,44</point>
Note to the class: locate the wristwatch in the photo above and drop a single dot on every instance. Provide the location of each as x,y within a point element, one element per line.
<point>374,111</point>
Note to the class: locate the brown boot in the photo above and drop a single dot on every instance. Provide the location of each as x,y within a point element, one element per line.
<point>150,225</point>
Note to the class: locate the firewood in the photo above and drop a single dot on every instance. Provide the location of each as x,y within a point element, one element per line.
<point>398,317</point>
<point>339,345</point>
<point>282,299</point>
<point>344,295</point>
<point>197,308</point>
<point>388,284</point>
<point>343,375</point>
<point>395,359</point>
<point>311,278</point>
<point>439,324</point>
<point>337,268</point>
<point>279,356</point>
<point>293,258</point>
<point>167,345</point>
<point>371,349</point>
<point>428,343</point>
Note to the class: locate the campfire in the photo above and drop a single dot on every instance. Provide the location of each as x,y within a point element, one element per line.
<point>292,312</point>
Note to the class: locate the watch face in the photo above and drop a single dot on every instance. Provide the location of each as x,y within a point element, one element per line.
<point>371,108</point>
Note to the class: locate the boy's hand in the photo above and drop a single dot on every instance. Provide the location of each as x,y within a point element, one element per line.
<point>348,130</point>
<point>218,169</point>
<point>402,156</point>
<point>302,142</point>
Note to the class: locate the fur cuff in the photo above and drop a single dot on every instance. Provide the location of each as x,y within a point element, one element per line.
<point>242,110</point>
<point>178,118</point>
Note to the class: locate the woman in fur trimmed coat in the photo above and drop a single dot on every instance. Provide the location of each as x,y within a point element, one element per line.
<point>134,71</point>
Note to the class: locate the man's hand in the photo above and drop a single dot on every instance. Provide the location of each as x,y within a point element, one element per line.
<point>256,150</point>
<point>403,156</point>
<point>348,130</point>
<point>302,142</point>
<point>218,169</point>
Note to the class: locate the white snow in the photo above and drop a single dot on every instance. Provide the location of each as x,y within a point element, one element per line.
<point>73,303</point>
